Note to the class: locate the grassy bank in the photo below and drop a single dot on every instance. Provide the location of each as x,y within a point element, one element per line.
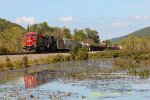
<point>138,55</point>
<point>25,62</point>
<point>76,54</point>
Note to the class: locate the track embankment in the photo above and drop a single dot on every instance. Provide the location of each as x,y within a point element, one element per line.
<point>30,56</point>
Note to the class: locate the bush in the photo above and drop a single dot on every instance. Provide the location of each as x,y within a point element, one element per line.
<point>2,67</point>
<point>17,64</point>
<point>25,62</point>
<point>115,54</point>
<point>8,63</point>
<point>105,54</point>
<point>82,55</point>
<point>3,49</point>
<point>57,58</point>
<point>79,53</point>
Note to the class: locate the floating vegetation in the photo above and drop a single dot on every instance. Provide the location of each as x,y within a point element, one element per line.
<point>125,64</point>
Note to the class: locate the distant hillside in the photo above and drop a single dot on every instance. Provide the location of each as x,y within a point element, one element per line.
<point>142,32</point>
<point>11,36</point>
<point>4,24</point>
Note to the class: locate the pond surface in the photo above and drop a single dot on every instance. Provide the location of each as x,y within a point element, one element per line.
<point>80,80</point>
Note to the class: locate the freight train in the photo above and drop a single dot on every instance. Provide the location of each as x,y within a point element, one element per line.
<point>34,42</point>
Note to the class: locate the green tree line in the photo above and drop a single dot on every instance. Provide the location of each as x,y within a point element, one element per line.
<point>87,34</point>
<point>136,44</point>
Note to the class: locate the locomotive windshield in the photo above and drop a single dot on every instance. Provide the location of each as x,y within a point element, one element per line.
<point>27,35</point>
<point>30,35</point>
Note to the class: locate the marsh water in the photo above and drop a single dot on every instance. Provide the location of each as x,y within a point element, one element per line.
<point>79,80</point>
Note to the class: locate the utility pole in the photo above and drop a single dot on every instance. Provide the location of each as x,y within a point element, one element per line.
<point>28,28</point>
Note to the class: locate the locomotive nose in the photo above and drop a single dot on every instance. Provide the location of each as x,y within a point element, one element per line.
<point>29,42</point>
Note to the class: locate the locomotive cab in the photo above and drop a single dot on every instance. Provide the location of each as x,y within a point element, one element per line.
<point>30,40</point>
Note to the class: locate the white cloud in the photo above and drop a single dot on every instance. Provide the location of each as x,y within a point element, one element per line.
<point>140,17</point>
<point>68,19</point>
<point>119,24</point>
<point>25,20</point>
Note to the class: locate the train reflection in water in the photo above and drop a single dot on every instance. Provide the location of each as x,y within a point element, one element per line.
<point>36,79</point>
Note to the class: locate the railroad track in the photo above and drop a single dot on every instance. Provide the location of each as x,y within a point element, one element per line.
<point>2,54</point>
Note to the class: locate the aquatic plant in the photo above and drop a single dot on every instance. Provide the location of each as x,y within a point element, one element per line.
<point>141,73</point>
<point>125,64</point>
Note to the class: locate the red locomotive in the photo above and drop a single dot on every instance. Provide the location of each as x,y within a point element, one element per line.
<point>38,42</point>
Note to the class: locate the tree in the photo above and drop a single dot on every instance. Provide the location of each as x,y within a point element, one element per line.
<point>79,35</point>
<point>58,32</point>
<point>134,43</point>
<point>33,28</point>
<point>67,33</point>
<point>43,27</point>
<point>108,43</point>
<point>92,34</point>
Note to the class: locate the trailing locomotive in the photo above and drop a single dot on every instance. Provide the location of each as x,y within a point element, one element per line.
<point>40,42</point>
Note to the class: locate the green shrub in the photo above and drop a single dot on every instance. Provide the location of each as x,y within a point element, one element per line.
<point>25,62</point>
<point>115,54</point>
<point>66,58</point>
<point>2,67</point>
<point>105,54</point>
<point>74,52</point>
<point>8,63</point>
<point>3,49</point>
<point>82,55</point>
<point>17,64</point>
<point>57,58</point>
<point>79,53</point>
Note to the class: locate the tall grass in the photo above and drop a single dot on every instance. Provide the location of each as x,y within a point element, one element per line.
<point>105,54</point>
<point>141,73</point>
<point>125,64</point>
<point>25,62</point>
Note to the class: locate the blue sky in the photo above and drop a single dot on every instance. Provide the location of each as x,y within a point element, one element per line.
<point>112,18</point>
